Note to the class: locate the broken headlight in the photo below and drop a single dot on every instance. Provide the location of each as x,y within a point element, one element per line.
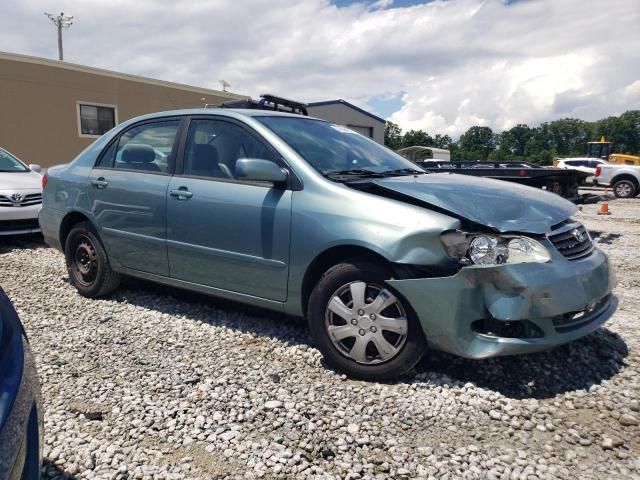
<point>486,250</point>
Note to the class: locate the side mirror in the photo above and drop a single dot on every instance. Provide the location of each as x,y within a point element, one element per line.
<point>35,167</point>
<point>260,170</point>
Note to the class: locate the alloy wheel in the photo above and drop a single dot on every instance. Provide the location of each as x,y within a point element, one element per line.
<point>624,190</point>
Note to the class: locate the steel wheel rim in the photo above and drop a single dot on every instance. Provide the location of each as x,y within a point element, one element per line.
<point>624,190</point>
<point>85,261</point>
<point>366,323</point>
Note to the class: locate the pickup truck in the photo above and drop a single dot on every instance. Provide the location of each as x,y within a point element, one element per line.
<point>624,180</point>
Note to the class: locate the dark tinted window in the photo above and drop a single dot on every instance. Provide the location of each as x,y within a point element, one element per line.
<point>214,146</point>
<point>95,120</point>
<point>147,147</point>
<point>577,163</point>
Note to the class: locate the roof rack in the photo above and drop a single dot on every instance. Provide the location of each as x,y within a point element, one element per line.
<point>267,102</point>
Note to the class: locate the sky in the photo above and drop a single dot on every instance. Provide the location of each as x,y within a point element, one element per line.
<point>441,65</point>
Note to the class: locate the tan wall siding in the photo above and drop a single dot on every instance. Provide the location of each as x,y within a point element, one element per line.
<point>38,112</point>
<point>344,115</point>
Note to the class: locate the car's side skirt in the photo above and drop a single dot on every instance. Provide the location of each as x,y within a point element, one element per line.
<point>215,292</point>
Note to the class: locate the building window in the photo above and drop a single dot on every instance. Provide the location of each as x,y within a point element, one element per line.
<point>95,119</point>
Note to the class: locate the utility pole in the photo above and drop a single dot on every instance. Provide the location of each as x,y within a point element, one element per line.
<point>60,21</point>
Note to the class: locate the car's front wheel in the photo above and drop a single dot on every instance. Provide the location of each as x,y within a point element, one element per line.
<point>87,263</point>
<point>361,326</point>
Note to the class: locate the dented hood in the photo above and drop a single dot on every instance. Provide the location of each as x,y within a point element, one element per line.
<point>501,205</point>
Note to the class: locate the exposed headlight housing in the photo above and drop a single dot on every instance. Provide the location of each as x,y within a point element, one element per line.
<point>489,250</point>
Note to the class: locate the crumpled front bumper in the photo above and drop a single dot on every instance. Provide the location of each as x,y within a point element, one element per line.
<point>540,293</point>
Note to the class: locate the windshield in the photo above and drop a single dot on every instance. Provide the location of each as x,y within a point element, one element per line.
<point>9,163</point>
<point>332,148</point>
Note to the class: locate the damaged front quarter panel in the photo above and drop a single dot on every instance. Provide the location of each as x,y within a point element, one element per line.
<point>536,293</point>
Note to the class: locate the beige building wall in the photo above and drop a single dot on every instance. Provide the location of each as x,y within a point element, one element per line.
<point>39,115</point>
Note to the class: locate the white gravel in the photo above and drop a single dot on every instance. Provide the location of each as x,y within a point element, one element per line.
<point>155,383</point>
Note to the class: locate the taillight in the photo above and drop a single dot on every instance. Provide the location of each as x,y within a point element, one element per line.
<point>598,170</point>
<point>45,179</point>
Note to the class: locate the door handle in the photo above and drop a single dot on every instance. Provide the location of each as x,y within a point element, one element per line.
<point>181,194</point>
<point>99,183</point>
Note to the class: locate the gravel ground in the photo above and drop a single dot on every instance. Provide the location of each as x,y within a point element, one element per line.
<point>155,383</point>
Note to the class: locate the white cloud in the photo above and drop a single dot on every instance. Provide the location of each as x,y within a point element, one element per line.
<point>382,4</point>
<point>457,63</point>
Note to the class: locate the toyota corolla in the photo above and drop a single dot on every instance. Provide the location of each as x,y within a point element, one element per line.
<point>309,218</point>
<point>20,195</point>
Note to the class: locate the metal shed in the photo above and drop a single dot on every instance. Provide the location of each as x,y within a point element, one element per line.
<point>345,113</point>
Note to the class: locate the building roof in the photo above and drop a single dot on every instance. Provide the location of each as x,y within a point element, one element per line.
<point>16,57</point>
<point>347,104</point>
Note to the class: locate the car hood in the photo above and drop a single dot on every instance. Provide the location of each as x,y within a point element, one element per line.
<point>16,181</point>
<point>501,205</point>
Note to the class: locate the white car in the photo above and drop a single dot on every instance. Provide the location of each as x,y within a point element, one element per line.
<point>586,164</point>
<point>20,196</point>
<point>624,180</point>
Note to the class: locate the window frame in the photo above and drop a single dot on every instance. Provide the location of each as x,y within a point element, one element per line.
<point>182,120</point>
<point>293,181</point>
<point>79,103</point>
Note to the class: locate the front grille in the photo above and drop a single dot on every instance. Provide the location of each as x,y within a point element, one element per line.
<point>573,241</point>
<point>11,225</point>
<point>27,200</point>
<point>575,320</point>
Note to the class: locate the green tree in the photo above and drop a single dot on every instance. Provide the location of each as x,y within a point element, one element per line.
<point>564,137</point>
<point>477,143</point>
<point>513,142</point>
<point>623,131</point>
<point>570,136</point>
<point>392,135</point>
<point>441,141</point>
<point>416,138</point>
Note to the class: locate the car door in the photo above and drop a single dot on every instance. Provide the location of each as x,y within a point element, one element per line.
<point>223,232</point>
<point>128,194</point>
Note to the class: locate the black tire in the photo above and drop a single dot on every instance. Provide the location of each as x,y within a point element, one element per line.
<point>625,189</point>
<point>373,274</point>
<point>88,264</point>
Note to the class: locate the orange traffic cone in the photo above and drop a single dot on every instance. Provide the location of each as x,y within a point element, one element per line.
<point>604,209</point>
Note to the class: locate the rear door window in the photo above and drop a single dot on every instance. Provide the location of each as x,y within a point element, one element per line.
<point>147,147</point>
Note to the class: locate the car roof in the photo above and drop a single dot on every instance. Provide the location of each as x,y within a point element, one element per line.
<point>229,112</point>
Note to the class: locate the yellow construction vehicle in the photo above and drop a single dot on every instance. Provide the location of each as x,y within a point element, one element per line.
<point>602,149</point>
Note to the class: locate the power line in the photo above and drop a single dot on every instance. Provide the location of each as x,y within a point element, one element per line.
<point>60,21</point>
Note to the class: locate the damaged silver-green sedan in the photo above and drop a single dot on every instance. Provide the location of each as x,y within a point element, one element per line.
<point>312,219</point>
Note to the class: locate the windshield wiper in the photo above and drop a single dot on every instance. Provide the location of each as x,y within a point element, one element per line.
<point>402,171</point>
<point>359,172</point>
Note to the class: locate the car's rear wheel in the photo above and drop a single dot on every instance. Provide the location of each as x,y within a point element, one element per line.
<point>361,326</point>
<point>625,189</point>
<point>87,263</point>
